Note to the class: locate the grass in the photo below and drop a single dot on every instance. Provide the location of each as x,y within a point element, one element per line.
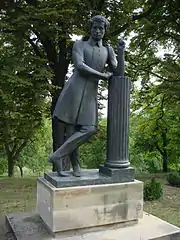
<point>167,208</point>
<point>17,195</point>
<point>20,195</point>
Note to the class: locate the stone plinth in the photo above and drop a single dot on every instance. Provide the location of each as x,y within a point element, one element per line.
<point>118,174</point>
<point>92,177</point>
<point>80,207</point>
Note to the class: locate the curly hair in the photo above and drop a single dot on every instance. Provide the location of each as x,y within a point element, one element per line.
<point>99,18</point>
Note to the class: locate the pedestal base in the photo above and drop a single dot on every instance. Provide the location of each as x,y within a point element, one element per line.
<point>30,226</point>
<point>118,174</point>
<point>104,175</point>
<point>73,208</point>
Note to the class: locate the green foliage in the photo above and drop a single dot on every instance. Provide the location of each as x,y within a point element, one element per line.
<point>153,190</point>
<point>154,128</point>
<point>174,178</point>
<point>3,165</point>
<point>23,103</point>
<point>35,51</point>
<point>153,60</point>
<point>35,155</point>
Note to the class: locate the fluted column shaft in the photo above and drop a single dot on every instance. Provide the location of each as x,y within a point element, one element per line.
<point>118,122</point>
<point>118,115</point>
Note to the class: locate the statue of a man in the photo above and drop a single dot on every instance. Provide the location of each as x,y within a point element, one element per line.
<point>77,103</point>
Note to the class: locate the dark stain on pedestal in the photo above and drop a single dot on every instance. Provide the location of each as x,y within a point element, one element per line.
<point>105,198</point>
<point>98,215</point>
<point>120,210</point>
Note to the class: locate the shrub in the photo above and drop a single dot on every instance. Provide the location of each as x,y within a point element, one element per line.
<point>174,178</point>
<point>153,190</point>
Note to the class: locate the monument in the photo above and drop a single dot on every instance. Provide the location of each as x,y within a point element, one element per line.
<point>104,203</point>
<point>77,103</point>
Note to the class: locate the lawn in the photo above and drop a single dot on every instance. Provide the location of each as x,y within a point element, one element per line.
<point>167,208</point>
<point>20,195</point>
<point>17,195</point>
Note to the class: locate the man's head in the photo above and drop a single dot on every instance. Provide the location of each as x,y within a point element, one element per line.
<point>98,27</point>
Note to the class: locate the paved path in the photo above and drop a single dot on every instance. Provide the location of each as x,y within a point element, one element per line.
<point>4,232</point>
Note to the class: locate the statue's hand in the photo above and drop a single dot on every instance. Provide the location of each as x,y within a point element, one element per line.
<point>109,75</point>
<point>121,44</point>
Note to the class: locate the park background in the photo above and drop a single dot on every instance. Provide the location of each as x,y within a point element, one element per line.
<point>36,38</point>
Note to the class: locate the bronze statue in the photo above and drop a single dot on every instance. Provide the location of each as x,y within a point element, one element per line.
<point>77,103</point>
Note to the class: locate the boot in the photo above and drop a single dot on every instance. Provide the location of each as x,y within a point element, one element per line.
<point>58,164</point>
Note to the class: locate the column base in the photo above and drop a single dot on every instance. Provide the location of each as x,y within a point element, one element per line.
<point>117,164</point>
<point>118,174</point>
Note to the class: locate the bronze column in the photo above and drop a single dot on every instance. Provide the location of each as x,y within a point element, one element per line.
<point>118,116</point>
<point>118,123</point>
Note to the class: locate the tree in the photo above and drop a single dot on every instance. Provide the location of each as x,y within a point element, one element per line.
<point>47,27</point>
<point>156,103</point>
<point>22,100</point>
<point>34,156</point>
<point>155,126</point>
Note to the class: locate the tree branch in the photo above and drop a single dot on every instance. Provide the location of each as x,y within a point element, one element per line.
<point>16,154</point>
<point>120,30</point>
<point>6,146</point>
<point>155,74</point>
<point>146,14</point>
<point>32,2</point>
<point>35,47</point>
<point>136,17</point>
<point>173,36</point>
<point>48,47</point>
<point>158,148</point>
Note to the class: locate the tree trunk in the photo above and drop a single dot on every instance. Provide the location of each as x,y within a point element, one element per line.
<point>21,171</point>
<point>165,155</point>
<point>58,131</point>
<point>10,166</point>
<point>165,162</point>
<point>10,159</point>
<point>58,128</point>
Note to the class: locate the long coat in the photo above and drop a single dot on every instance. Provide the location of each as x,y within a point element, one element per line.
<point>77,103</point>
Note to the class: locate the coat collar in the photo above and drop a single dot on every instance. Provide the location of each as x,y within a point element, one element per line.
<point>92,42</point>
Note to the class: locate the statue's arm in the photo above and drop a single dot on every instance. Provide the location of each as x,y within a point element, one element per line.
<point>84,69</point>
<point>112,60</point>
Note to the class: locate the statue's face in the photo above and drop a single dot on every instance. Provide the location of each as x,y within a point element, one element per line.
<point>97,31</point>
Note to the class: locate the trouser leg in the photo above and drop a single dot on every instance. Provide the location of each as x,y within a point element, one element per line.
<point>74,156</point>
<point>74,141</point>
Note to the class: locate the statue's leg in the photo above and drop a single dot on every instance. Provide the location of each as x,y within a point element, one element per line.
<point>59,167</point>
<point>74,156</point>
<point>73,142</point>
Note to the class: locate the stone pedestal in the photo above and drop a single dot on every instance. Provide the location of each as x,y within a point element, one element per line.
<point>80,207</point>
<point>91,212</point>
<point>91,177</point>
